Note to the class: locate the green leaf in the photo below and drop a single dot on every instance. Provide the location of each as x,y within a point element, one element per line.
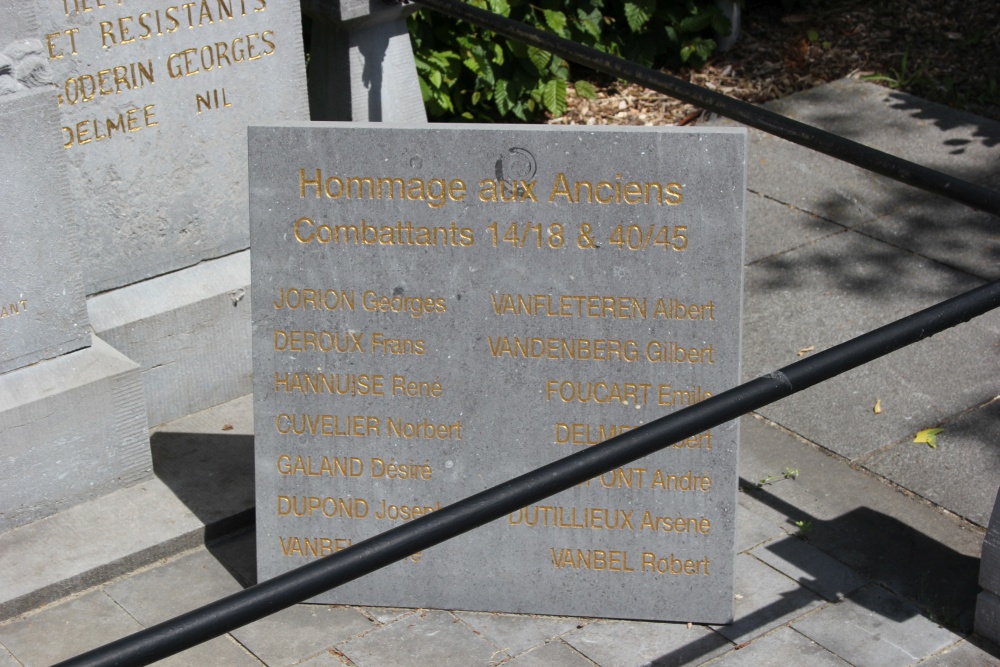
<point>500,7</point>
<point>638,13</point>
<point>721,25</point>
<point>585,89</point>
<point>501,97</point>
<point>696,23</point>
<point>556,21</point>
<point>929,436</point>
<point>554,97</point>
<point>540,59</point>
<point>435,77</point>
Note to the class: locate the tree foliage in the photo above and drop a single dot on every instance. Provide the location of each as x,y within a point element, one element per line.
<point>471,74</point>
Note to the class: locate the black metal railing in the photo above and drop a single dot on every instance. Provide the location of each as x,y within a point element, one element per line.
<point>212,620</point>
<point>811,137</point>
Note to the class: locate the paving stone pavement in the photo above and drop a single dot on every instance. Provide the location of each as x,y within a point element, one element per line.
<point>869,557</point>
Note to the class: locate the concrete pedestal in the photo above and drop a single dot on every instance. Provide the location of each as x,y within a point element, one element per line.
<point>71,429</point>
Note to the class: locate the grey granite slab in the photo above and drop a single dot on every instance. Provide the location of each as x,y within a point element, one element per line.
<point>386,614</point>
<point>946,232</point>
<point>6,659</point>
<point>517,634</point>
<point>765,599</point>
<point>219,652</point>
<point>620,644</point>
<point>931,134</point>
<point>846,285</point>
<point>963,654</point>
<point>237,554</point>
<point>922,553</point>
<point>874,627</point>
<point>424,638</point>
<point>71,429</point>
<point>189,331</point>
<point>298,632</point>
<point>783,647</point>
<point>327,659</point>
<point>447,277</point>
<point>155,102</point>
<point>812,568</point>
<point>757,524</point>
<point>966,450</point>
<point>774,227</point>
<point>553,654</point>
<point>66,629</point>
<point>185,583</point>
<point>95,541</point>
<point>42,309</point>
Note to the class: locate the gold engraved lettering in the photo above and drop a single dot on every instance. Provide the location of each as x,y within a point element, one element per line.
<point>617,192</point>
<point>13,308</point>
<point>416,388</point>
<point>415,306</point>
<point>666,396</point>
<point>673,309</point>
<point>391,469</point>
<point>548,305</point>
<point>700,441</point>
<point>688,481</point>
<point>294,298</point>
<point>315,547</point>
<point>87,131</point>
<point>211,100</point>
<point>331,508</point>
<point>159,22</point>
<point>423,429</point>
<point>673,565</point>
<point>329,426</point>
<point>588,434</point>
<point>402,234</point>
<point>673,352</point>
<point>397,346</point>
<point>404,512</point>
<point>326,466</point>
<point>500,192</point>
<point>675,524</point>
<point>599,392</point>
<point>563,349</point>
<point>589,518</point>
<point>334,384</point>
<point>436,192</point>
<point>69,32</point>
<point>196,60</point>
<point>320,341</point>
<point>597,560</point>
<point>114,81</point>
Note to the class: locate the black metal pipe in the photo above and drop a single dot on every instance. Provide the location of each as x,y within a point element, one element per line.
<point>831,144</point>
<point>217,618</point>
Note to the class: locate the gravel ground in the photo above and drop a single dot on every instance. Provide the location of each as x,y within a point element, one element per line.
<point>947,51</point>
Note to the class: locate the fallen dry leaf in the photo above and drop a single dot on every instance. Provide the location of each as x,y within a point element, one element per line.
<point>878,407</point>
<point>227,427</point>
<point>929,435</point>
<point>806,350</point>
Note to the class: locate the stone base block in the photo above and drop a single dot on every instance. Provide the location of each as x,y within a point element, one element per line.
<point>988,616</point>
<point>364,74</point>
<point>189,331</point>
<point>71,429</point>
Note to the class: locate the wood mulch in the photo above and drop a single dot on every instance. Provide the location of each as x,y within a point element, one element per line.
<point>947,51</point>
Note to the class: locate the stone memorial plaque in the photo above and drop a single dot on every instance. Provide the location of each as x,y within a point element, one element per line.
<point>42,308</point>
<point>437,310</point>
<point>155,99</point>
